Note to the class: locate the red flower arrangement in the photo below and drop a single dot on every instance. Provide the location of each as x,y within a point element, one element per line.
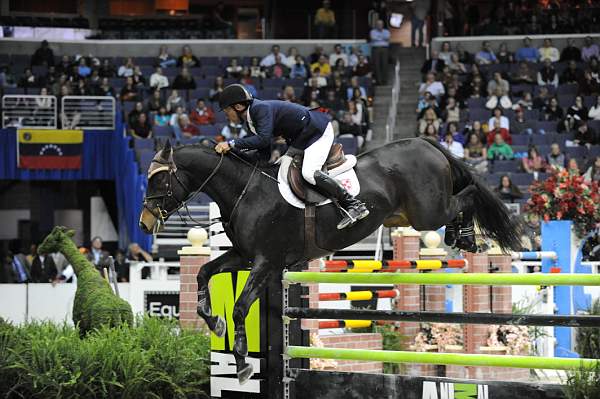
<point>566,196</point>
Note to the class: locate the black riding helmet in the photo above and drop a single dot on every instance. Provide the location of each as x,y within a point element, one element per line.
<point>234,94</point>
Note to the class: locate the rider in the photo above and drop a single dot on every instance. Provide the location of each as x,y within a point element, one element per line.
<point>302,128</point>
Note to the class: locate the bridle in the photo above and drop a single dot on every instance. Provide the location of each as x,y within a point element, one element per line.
<point>160,212</point>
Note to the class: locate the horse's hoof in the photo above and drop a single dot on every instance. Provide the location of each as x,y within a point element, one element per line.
<point>220,327</point>
<point>245,373</point>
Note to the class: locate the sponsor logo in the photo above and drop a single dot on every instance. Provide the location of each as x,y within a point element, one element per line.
<point>450,390</point>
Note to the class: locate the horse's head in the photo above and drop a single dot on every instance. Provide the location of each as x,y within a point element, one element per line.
<point>166,192</point>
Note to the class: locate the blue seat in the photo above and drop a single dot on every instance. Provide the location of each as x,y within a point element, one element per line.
<point>208,130</point>
<point>541,139</point>
<point>476,103</point>
<point>520,139</point>
<point>145,158</point>
<point>522,179</point>
<point>567,89</point>
<point>566,100</point>
<point>143,144</point>
<point>349,143</point>
<point>196,94</point>
<point>211,70</point>
<point>220,117</point>
<point>481,115</point>
<point>206,61</point>
<point>14,90</point>
<point>521,88</point>
<point>532,114</point>
<point>595,125</point>
<point>547,126</point>
<point>576,152</point>
<point>505,166</point>
<point>273,83</point>
<point>162,131</point>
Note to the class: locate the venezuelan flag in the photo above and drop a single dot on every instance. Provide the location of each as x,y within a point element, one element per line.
<point>49,149</point>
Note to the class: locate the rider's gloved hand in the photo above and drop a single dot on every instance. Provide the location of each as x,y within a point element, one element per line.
<point>222,147</point>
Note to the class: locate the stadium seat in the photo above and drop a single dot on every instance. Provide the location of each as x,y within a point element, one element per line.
<point>143,144</point>
<point>479,115</point>
<point>520,139</point>
<point>162,131</point>
<point>208,130</point>
<point>547,126</point>
<point>145,158</point>
<point>476,103</point>
<point>522,179</point>
<point>567,89</point>
<point>349,143</point>
<point>576,152</point>
<point>541,139</point>
<point>505,166</point>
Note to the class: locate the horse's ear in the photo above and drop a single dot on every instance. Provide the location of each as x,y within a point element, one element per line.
<point>166,151</point>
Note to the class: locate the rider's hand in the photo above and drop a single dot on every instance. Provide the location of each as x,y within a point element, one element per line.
<point>222,148</point>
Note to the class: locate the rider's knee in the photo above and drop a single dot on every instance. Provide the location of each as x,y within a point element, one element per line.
<point>309,175</point>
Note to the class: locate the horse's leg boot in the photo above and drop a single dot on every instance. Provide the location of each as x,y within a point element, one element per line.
<point>215,323</point>
<point>450,235</point>
<point>466,238</point>
<point>355,209</point>
<point>240,351</point>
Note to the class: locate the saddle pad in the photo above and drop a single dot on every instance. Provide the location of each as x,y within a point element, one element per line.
<point>344,174</point>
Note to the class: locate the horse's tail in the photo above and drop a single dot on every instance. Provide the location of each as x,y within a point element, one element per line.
<point>490,213</point>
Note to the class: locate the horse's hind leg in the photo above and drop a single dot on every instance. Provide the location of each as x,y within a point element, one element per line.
<point>460,232</point>
<point>230,261</point>
<point>255,285</point>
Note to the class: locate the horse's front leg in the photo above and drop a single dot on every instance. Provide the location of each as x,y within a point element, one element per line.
<point>230,261</point>
<point>255,285</point>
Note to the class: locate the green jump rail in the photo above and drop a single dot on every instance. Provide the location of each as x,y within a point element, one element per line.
<point>444,278</point>
<point>458,359</point>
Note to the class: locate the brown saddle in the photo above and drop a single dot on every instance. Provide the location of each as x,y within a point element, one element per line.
<point>303,189</point>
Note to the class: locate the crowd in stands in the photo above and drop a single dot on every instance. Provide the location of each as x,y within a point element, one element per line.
<point>515,114</point>
<point>35,267</point>
<point>177,95</point>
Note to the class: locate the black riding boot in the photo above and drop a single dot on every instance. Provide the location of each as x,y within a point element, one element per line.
<point>354,209</point>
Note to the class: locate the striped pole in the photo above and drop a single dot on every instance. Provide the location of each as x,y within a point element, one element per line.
<point>368,266</point>
<point>444,278</point>
<point>534,255</point>
<point>358,295</point>
<point>345,324</point>
<point>459,359</point>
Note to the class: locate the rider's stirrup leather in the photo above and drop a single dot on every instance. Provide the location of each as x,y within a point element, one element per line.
<point>353,209</point>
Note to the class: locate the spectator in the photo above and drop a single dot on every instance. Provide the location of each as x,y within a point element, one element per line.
<point>298,69</point>
<point>174,101</point>
<point>507,191</point>
<point>348,126</point>
<point>556,158</point>
<point>429,118</point>
<point>316,77</point>
<point>454,147</point>
<point>338,54</point>
<point>420,11</point>
<point>141,128</point>
<point>570,52</point>
<point>97,255</point>
<point>322,65</point>
<point>433,64</point>
<point>588,86</point>
<point>137,254</point>
<point>475,128</point>
<point>571,75</point>
<point>333,103</point>
<point>158,80</point>
<point>289,94</point>
<point>547,75</point>
<point>341,91</point>
<point>105,89</point>
<point>594,68</point>
<point>202,115</point>
<point>495,127</point>
<point>353,57</point>
<point>269,59</point>
<point>234,70</point>
<point>314,56</point>
<point>427,101</point>
<point>593,172</point>
<point>520,124</point>
<point>525,102</point>
<point>129,92</point>
<point>220,23</point>
<point>184,81</point>
<point>584,135</point>
<point>43,269</point>
<point>325,21</point>
<point>499,150</point>
<point>233,130</point>
<point>451,112</point>
<point>527,53</point>
<point>290,59</point>
<point>43,55</point>
<point>28,80</point>
<point>175,120</point>
<point>187,59</point>
<point>339,70</point>
<point>135,112</point>
<point>504,56</point>
<point>187,128</point>
<point>549,52</point>
<point>524,75</point>
<point>552,112</point>
<point>573,167</point>
<point>216,90</point>
<point>380,41</point>
<point>445,53</point>
<point>589,50</point>
<point>476,154</point>
<point>355,84</point>
<point>533,162</point>
<point>139,81</point>
<point>362,68</point>
<point>498,90</point>
<point>126,70</point>
<point>486,55</point>
<point>17,268</point>
<point>165,59</point>
<point>542,100</point>
<point>161,118</point>
<point>455,65</point>
<point>155,101</point>
<point>452,128</point>
<point>7,79</point>
<point>83,70</point>
<point>594,112</point>
<point>431,85</point>
<point>65,65</point>
<point>107,70</point>
<point>359,115</point>
<point>575,113</point>
<point>430,131</point>
<point>278,70</point>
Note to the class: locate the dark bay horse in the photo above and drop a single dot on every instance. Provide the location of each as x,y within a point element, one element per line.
<point>412,182</point>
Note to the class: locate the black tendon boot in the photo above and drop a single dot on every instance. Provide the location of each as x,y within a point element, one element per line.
<point>354,209</point>
<point>450,235</point>
<point>466,237</point>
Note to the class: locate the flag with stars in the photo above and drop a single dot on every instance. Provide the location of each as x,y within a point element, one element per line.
<point>49,149</point>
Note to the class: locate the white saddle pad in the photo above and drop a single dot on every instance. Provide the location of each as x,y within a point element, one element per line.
<point>344,174</point>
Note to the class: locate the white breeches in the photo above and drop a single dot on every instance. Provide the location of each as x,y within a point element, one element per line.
<point>316,154</point>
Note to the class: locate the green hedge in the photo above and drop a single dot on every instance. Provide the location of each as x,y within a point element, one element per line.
<point>154,359</point>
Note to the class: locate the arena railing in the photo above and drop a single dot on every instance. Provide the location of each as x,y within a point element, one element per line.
<point>390,126</point>
<point>29,111</point>
<point>88,112</point>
